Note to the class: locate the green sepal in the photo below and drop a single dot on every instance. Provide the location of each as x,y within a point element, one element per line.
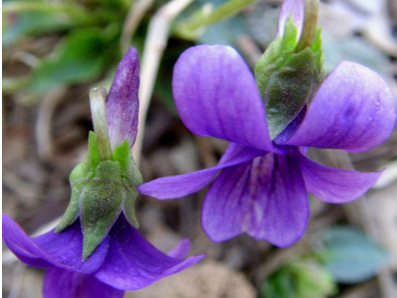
<point>78,179</point>
<point>131,179</point>
<point>129,170</point>
<point>101,200</point>
<point>276,54</point>
<point>287,78</point>
<point>129,204</point>
<point>288,90</point>
<point>317,48</point>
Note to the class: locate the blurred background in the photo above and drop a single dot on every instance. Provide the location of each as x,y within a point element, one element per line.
<point>55,50</point>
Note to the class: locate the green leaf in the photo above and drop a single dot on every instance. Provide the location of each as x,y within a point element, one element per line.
<point>302,278</point>
<point>352,257</point>
<point>80,57</point>
<point>31,17</point>
<point>31,23</point>
<point>357,50</point>
<point>279,284</point>
<point>101,200</point>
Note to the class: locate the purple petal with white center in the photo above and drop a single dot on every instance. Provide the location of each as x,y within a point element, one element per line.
<point>354,110</point>
<point>122,103</point>
<point>133,263</point>
<point>294,9</point>
<point>265,198</point>
<point>335,185</point>
<point>216,95</point>
<point>62,249</point>
<point>183,185</point>
<point>60,283</point>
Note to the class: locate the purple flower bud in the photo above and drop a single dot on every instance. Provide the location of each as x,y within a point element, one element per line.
<point>117,258</point>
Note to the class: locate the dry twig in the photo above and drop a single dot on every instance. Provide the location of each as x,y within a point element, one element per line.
<point>156,42</point>
<point>134,18</point>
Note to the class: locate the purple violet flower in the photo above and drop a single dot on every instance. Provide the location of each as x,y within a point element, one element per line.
<point>263,182</point>
<point>122,260</point>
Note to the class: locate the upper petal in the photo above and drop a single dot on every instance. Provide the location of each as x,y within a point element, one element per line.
<point>62,249</point>
<point>335,185</point>
<point>122,103</point>
<point>265,198</point>
<point>216,95</point>
<point>354,110</point>
<point>133,263</point>
<point>183,185</point>
<point>294,9</point>
<point>60,283</point>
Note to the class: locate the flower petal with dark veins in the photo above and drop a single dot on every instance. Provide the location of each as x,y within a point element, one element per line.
<point>353,110</point>
<point>216,95</point>
<point>335,185</point>
<point>133,263</point>
<point>183,185</point>
<point>265,198</point>
<point>62,249</point>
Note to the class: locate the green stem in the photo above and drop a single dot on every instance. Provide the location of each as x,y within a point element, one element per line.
<point>202,19</point>
<point>98,113</point>
<point>310,25</point>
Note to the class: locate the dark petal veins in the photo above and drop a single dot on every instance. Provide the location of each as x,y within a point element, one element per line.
<point>133,263</point>
<point>62,249</point>
<point>265,198</point>
<point>335,185</point>
<point>183,185</point>
<point>216,95</point>
<point>353,109</point>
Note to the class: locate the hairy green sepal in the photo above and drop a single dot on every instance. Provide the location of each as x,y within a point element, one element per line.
<point>101,190</point>
<point>287,78</point>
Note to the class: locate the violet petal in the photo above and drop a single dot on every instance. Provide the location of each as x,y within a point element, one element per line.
<point>353,109</point>
<point>24,247</point>
<point>335,185</point>
<point>133,263</point>
<point>265,198</point>
<point>294,9</point>
<point>180,251</point>
<point>216,95</point>
<point>62,249</point>
<point>60,283</point>
<point>66,248</point>
<point>183,185</point>
<point>122,103</point>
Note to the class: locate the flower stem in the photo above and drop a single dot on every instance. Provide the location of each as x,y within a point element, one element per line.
<point>310,25</point>
<point>98,113</point>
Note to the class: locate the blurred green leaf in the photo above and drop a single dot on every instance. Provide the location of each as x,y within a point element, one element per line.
<point>81,57</point>
<point>23,18</point>
<point>32,23</point>
<point>352,256</point>
<point>224,32</point>
<point>357,50</point>
<point>302,278</point>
